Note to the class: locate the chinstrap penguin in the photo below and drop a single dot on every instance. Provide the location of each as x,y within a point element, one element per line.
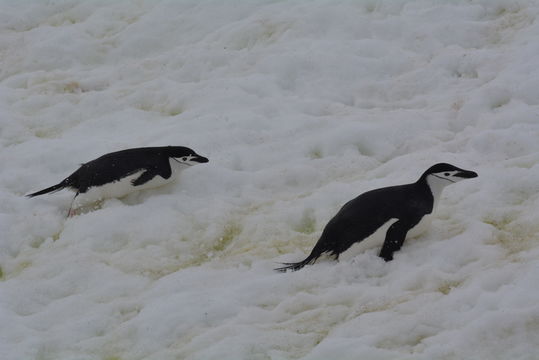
<point>119,173</point>
<point>406,205</point>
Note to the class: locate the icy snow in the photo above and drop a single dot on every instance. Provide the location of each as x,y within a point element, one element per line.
<point>300,106</point>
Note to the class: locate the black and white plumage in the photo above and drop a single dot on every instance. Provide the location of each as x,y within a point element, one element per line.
<point>119,173</point>
<point>406,206</point>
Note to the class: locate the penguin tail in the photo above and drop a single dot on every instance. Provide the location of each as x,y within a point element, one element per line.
<point>296,266</point>
<point>51,189</point>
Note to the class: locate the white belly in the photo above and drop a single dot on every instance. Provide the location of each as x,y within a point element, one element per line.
<point>119,188</point>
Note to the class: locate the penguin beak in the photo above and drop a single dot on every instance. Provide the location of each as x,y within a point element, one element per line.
<point>200,159</point>
<point>466,174</point>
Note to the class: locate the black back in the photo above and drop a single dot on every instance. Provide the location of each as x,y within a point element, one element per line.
<point>362,216</point>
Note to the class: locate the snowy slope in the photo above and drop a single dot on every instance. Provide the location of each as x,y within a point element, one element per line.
<point>300,106</point>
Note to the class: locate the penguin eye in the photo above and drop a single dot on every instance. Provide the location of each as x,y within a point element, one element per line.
<point>184,158</point>
<point>447,174</point>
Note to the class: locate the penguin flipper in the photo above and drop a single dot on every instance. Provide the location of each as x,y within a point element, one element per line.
<point>164,171</point>
<point>144,177</point>
<point>395,236</point>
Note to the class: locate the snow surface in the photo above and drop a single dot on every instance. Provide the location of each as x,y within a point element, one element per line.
<point>300,106</point>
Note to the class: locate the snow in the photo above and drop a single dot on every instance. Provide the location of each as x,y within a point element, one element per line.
<point>300,106</point>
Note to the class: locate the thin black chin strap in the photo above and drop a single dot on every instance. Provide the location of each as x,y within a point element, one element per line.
<point>439,177</point>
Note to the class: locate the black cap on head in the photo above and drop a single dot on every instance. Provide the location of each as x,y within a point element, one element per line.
<point>445,167</point>
<point>181,151</point>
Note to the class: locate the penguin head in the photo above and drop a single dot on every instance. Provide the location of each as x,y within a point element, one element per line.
<point>185,156</point>
<point>444,174</point>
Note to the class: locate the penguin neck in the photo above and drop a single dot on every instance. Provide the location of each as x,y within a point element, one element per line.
<point>176,166</point>
<point>436,185</point>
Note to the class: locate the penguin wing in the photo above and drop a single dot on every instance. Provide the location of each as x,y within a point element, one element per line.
<point>395,236</point>
<point>144,177</point>
<point>162,170</point>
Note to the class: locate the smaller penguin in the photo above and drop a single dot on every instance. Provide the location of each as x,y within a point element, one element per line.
<point>404,207</point>
<point>119,173</point>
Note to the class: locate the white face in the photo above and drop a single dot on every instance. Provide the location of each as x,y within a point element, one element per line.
<point>438,181</point>
<point>447,177</point>
<point>186,160</point>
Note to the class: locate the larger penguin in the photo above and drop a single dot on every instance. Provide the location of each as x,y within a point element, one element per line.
<point>406,205</point>
<point>118,173</point>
